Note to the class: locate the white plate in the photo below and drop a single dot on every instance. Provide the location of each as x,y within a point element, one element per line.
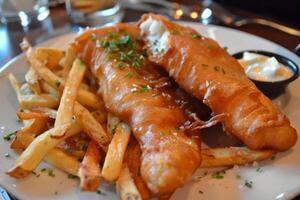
<point>279,179</point>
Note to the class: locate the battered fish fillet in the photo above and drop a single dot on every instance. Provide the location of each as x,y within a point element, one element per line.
<point>206,71</point>
<point>116,58</point>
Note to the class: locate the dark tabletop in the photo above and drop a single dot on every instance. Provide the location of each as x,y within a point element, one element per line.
<point>58,23</point>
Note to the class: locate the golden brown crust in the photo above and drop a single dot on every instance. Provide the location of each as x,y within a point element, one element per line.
<point>169,157</point>
<point>205,70</point>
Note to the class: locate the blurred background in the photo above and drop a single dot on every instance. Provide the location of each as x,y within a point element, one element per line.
<point>39,20</point>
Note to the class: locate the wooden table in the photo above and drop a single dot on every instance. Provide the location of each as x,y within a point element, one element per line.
<point>58,23</point>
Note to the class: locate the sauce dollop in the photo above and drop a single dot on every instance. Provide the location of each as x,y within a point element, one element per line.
<point>264,68</point>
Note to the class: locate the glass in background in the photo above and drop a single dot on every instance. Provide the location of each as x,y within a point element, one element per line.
<point>24,11</point>
<point>94,12</point>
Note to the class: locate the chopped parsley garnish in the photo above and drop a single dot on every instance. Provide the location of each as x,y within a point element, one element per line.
<point>113,130</point>
<point>100,192</point>
<point>81,147</point>
<point>225,48</point>
<point>129,74</point>
<point>196,36</point>
<point>218,175</point>
<point>57,83</point>
<point>50,173</point>
<point>7,155</point>
<point>174,32</point>
<point>93,37</point>
<point>238,176</point>
<point>210,46</point>
<point>141,89</point>
<point>259,169</point>
<point>162,133</point>
<point>120,65</point>
<point>71,176</point>
<point>123,49</point>
<point>33,172</point>
<point>8,136</point>
<point>44,169</point>
<point>273,157</point>
<point>248,184</point>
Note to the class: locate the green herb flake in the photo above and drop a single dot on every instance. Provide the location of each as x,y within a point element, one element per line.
<point>93,37</point>
<point>100,192</point>
<point>113,35</point>
<point>120,65</point>
<point>162,133</point>
<point>57,83</point>
<point>273,157</point>
<point>248,184</point>
<point>113,130</point>
<point>210,46</point>
<point>225,48</point>
<point>259,170</point>
<point>50,173</point>
<point>44,169</point>
<point>174,32</point>
<point>129,74</point>
<point>8,136</point>
<point>7,155</point>
<point>238,176</point>
<point>34,173</point>
<point>71,176</point>
<point>145,88</point>
<point>218,175</point>
<point>196,36</point>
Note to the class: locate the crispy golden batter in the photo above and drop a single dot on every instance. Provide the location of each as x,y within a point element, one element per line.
<point>205,70</point>
<point>169,157</point>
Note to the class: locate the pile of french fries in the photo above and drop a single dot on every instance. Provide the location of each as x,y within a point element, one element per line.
<point>61,110</point>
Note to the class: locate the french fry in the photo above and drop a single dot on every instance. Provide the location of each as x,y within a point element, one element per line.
<point>100,115</point>
<point>125,185</point>
<point>112,122</point>
<point>133,158</point>
<point>39,147</point>
<point>34,126</point>
<point>85,97</point>
<point>69,59</point>
<point>89,171</point>
<point>51,113</point>
<point>91,127</point>
<point>32,79</point>
<point>222,157</point>
<point>49,56</point>
<point>65,110</point>
<point>32,100</point>
<point>116,150</point>
<point>46,87</point>
<point>30,115</point>
<point>55,156</point>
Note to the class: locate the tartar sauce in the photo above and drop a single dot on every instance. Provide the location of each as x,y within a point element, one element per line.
<point>263,68</point>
